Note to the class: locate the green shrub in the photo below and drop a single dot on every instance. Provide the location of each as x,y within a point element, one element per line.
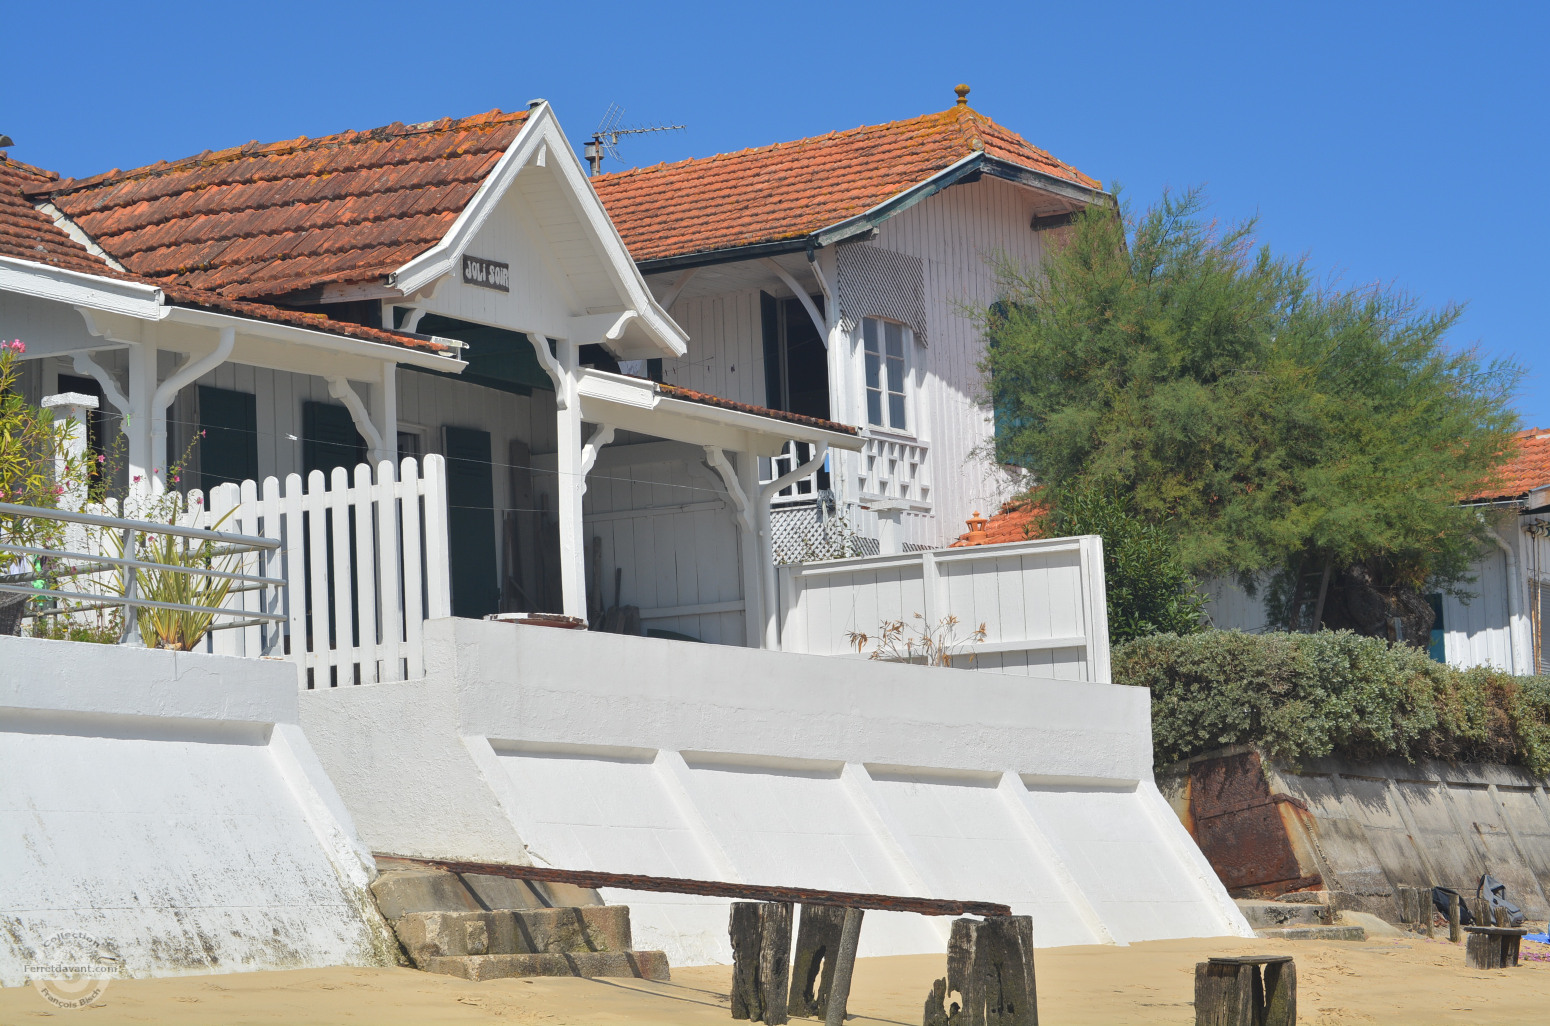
<point>1301,696</point>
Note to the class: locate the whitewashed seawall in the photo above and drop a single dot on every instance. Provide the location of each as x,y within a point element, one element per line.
<point>636,755</point>
<point>169,805</point>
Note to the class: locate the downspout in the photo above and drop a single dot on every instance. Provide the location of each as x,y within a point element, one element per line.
<point>1515,637</point>
<point>766,548</point>
<point>168,390</point>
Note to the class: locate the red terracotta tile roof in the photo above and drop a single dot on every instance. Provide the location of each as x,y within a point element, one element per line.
<point>688,394</point>
<point>263,220</point>
<point>1017,520</point>
<point>792,189</point>
<point>27,233</point>
<point>1525,470</point>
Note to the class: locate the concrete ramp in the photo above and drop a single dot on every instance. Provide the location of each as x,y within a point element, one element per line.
<point>167,805</point>
<point>634,755</point>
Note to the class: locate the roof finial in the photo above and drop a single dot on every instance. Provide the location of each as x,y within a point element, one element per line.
<point>963,95</point>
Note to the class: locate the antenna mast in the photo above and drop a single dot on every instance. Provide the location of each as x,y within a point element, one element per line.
<point>605,140</point>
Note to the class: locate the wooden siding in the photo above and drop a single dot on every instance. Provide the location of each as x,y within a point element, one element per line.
<point>958,235</point>
<point>663,520</point>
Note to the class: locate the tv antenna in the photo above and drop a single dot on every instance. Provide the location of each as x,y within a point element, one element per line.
<point>605,140</point>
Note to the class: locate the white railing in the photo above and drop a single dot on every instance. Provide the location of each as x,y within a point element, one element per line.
<point>366,560</point>
<point>895,468</point>
<point>1042,603</point>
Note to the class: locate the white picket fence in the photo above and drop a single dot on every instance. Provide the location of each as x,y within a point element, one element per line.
<point>1042,603</point>
<point>365,561</point>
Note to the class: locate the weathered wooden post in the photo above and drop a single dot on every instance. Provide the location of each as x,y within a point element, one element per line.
<point>1233,992</point>
<point>839,993</point>
<point>1429,910</point>
<point>761,959</point>
<point>1455,924</point>
<point>990,965</point>
<point>812,970</point>
<point>1493,947</point>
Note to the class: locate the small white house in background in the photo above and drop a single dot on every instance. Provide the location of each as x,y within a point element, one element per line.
<point>1501,621</point>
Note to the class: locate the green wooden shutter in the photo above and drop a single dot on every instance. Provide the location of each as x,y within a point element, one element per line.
<point>769,318</point>
<point>471,523</point>
<point>329,439</point>
<point>228,451</point>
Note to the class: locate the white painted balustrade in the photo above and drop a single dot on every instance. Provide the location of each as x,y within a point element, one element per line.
<point>1042,603</point>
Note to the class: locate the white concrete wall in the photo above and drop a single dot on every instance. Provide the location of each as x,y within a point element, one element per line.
<point>169,805</point>
<point>589,751</point>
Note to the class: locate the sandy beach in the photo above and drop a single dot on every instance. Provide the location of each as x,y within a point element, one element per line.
<point>1414,981</point>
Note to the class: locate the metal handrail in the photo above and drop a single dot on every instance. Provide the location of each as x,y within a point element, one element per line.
<point>143,526</point>
<point>231,544</point>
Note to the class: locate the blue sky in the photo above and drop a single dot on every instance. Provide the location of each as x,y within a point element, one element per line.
<point>1402,143</point>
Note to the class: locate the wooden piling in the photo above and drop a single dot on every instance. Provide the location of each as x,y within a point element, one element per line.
<point>1455,925</point>
<point>761,959</point>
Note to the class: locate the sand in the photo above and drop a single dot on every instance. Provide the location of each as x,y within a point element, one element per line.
<point>1413,981</point>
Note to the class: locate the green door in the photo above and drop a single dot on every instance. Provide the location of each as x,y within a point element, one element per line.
<point>228,450</point>
<point>329,439</point>
<point>471,523</point>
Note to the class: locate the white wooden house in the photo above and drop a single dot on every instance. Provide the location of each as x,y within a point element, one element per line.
<point>459,289</point>
<point>450,288</point>
<point>839,277</point>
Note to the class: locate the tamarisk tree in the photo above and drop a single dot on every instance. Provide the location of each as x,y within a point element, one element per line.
<point>1280,428</point>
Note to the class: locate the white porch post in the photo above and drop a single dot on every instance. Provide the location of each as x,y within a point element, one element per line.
<point>70,415</point>
<point>571,483</point>
<point>754,559</point>
<point>384,414</point>
<point>767,542</point>
<point>137,419</point>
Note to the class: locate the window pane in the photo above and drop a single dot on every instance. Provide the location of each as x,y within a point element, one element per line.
<point>869,334</point>
<point>873,372</point>
<point>874,407</point>
<point>896,411</point>
<point>895,339</point>
<point>895,375</point>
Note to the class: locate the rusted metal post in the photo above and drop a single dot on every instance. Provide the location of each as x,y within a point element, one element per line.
<point>844,964</point>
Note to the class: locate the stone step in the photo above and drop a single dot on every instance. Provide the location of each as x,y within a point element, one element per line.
<point>1273,914</point>
<point>590,930</point>
<point>641,965</point>
<point>400,892</point>
<point>1321,933</point>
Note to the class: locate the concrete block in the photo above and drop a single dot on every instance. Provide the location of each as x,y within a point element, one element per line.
<point>561,895</point>
<point>1270,914</point>
<point>402,892</point>
<point>1322,933</point>
<point>640,965</point>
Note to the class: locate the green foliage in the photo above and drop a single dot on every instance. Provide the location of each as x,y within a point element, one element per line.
<point>1308,695</point>
<point>1262,418</point>
<point>29,443</point>
<point>1149,591</point>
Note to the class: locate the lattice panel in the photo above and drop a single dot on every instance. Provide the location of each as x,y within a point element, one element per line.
<point>895,469</point>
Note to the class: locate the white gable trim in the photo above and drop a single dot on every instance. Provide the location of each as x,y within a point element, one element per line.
<point>541,140</point>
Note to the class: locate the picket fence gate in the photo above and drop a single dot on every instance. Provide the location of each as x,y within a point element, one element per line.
<point>365,560</point>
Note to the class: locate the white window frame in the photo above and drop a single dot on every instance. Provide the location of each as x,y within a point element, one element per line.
<point>883,390</point>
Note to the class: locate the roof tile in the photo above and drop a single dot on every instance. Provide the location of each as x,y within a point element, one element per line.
<point>791,189</point>
<point>1525,470</point>
<point>264,219</point>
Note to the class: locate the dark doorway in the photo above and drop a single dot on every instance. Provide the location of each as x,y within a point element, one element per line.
<point>329,439</point>
<point>796,362</point>
<point>228,448</point>
<point>471,523</point>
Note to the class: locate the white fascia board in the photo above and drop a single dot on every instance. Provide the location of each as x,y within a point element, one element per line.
<point>94,292</point>
<point>380,351</point>
<point>542,131</point>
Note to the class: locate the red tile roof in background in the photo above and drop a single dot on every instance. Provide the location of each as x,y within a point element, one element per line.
<point>1526,469</point>
<point>27,233</point>
<point>792,189</point>
<point>263,220</point>
<point>1017,520</point>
